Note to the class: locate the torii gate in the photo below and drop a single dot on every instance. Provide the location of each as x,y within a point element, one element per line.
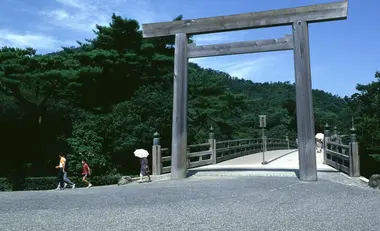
<point>298,17</point>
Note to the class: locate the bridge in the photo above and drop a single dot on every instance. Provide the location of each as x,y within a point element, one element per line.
<point>260,154</point>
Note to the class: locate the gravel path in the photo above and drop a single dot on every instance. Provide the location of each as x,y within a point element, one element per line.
<point>199,203</point>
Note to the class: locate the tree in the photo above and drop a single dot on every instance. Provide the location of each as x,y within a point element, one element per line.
<point>107,96</point>
<point>366,106</point>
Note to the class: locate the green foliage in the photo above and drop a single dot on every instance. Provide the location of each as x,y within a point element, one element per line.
<point>106,97</point>
<point>365,108</point>
<point>48,183</point>
<point>5,185</point>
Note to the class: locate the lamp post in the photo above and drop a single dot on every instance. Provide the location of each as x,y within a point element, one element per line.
<point>263,124</point>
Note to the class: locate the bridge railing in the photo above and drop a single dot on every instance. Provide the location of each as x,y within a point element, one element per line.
<point>213,152</point>
<point>343,157</point>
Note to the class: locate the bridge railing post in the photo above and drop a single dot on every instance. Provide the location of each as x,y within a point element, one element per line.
<point>156,155</point>
<point>265,143</point>
<point>212,141</point>
<point>287,140</point>
<point>326,139</point>
<point>354,157</point>
<point>334,134</point>
<point>188,161</point>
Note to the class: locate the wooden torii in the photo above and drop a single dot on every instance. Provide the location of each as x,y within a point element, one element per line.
<point>298,18</point>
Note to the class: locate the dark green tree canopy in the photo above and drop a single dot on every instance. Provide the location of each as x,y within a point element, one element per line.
<point>108,95</point>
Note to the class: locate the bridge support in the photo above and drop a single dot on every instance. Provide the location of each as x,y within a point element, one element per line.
<point>156,155</point>
<point>326,139</point>
<point>304,100</point>
<point>287,140</point>
<point>179,123</point>
<point>354,155</point>
<point>212,141</point>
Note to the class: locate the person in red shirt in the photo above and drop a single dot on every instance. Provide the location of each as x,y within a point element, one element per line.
<point>86,172</point>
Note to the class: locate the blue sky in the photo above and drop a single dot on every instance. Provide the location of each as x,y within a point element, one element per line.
<point>342,52</point>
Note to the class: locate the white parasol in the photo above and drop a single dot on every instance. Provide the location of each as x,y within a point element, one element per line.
<point>319,136</point>
<point>141,153</point>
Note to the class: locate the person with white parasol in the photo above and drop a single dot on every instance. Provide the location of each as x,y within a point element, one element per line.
<point>144,171</point>
<point>319,138</point>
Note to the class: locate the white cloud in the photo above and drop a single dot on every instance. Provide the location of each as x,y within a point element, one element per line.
<point>221,37</point>
<point>210,38</point>
<point>58,14</point>
<point>83,15</point>
<point>73,3</point>
<point>75,15</point>
<point>37,41</point>
<point>257,67</point>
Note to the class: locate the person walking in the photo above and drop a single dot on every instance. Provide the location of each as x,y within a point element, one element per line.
<point>86,171</point>
<point>319,145</point>
<point>144,168</point>
<point>60,172</point>
<point>66,180</point>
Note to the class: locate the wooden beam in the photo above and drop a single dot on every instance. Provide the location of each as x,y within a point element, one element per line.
<point>281,17</point>
<point>304,100</point>
<point>240,47</point>
<point>179,123</point>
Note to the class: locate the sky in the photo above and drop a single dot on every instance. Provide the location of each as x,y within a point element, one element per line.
<point>342,52</point>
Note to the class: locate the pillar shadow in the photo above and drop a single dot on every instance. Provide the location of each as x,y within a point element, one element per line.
<point>290,152</point>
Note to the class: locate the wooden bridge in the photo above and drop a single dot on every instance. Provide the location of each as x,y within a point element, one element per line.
<point>271,154</point>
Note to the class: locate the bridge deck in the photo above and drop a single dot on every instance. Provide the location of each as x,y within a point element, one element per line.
<point>279,159</point>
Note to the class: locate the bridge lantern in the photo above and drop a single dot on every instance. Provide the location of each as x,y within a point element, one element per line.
<point>263,121</point>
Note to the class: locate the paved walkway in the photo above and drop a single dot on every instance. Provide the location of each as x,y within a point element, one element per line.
<point>215,203</point>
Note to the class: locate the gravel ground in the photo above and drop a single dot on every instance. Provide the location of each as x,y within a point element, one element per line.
<point>208,202</point>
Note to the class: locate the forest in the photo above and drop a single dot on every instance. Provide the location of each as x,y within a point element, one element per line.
<point>107,96</point>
